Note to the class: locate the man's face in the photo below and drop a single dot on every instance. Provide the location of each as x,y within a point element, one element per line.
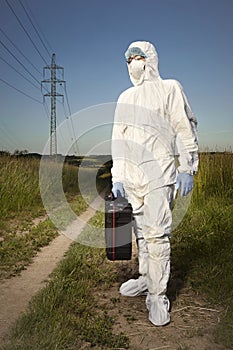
<point>135,57</point>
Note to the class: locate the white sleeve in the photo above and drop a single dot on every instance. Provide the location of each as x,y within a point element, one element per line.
<point>118,145</point>
<point>184,124</point>
<point>193,123</point>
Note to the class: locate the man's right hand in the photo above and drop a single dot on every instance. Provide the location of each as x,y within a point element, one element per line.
<point>118,186</point>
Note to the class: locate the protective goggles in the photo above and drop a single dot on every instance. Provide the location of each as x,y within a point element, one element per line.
<point>134,53</point>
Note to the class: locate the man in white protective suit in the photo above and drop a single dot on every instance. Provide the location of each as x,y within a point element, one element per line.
<point>153,124</point>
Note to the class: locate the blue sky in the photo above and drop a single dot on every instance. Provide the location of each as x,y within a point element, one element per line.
<point>89,37</point>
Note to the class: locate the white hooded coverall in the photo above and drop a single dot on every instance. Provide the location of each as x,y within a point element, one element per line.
<point>153,123</point>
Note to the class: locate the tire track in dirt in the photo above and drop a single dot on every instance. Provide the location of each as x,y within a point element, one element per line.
<point>15,293</point>
<point>192,320</point>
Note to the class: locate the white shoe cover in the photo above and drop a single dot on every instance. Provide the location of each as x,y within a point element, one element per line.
<point>134,287</point>
<point>158,307</point>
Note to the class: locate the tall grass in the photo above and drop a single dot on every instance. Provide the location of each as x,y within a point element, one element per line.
<point>203,243</point>
<point>20,203</point>
<point>65,314</point>
<point>19,186</point>
<point>202,252</point>
<point>215,177</point>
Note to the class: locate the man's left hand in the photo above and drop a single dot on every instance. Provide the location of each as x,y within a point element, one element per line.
<point>185,183</point>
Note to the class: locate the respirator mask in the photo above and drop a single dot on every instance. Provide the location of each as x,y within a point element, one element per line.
<point>137,68</point>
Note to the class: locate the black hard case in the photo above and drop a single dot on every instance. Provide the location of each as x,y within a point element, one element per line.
<point>118,228</point>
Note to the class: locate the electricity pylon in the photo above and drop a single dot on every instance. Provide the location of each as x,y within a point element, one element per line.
<point>53,95</point>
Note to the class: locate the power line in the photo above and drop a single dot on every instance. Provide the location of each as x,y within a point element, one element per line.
<point>16,47</point>
<point>68,125</point>
<point>7,143</point>
<point>7,139</point>
<point>67,118</point>
<point>34,27</point>
<point>71,121</point>
<point>13,87</point>
<point>6,48</point>
<point>3,149</point>
<point>42,34</point>
<point>67,100</point>
<point>11,139</point>
<point>19,73</point>
<point>52,94</point>
<point>23,27</point>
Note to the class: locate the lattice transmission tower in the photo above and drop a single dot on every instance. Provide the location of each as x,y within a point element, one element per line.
<point>53,81</point>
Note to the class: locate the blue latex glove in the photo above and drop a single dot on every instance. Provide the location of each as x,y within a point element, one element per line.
<point>118,186</point>
<point>185,182</point>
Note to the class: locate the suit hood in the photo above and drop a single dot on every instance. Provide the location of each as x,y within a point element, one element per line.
<point>151,72</point>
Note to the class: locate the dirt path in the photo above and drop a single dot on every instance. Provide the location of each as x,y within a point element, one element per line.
<point>16,292</point>
<point>192,319</point>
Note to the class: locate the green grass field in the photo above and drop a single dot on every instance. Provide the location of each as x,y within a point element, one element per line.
<point>63,315</point>
<point>21,203</point>
<point>203,243</point>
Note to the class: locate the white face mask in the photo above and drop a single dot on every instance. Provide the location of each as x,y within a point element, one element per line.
<point>137,68</point>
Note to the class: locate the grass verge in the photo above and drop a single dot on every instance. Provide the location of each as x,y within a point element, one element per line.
<point>202,245</point>
<point>17,251</point>
<point>202,251</point>
<point>20,243</point>
<point>20,202</point>
<point>64,315</point>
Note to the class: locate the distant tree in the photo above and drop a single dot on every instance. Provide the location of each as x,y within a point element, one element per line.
<point>4,153</point>
<point>20,153</point>
<point>16,152</point>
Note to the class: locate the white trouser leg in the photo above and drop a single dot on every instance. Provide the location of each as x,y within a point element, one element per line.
<point>141,244</point>
<point>156,231</point>
<point>134,287</point>
<point>153,251</point>
<point>158,265</point>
